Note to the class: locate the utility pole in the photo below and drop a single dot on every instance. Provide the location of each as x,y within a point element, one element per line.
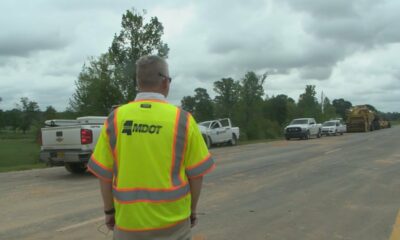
<point>322,101</point>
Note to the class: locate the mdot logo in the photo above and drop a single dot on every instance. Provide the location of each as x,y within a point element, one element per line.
<point>131,127</point>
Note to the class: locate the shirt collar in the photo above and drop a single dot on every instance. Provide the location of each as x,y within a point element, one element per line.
<point>150,95</point>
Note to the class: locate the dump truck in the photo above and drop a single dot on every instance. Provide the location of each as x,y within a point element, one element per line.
<point>362,119</point>
<point>384,123</point>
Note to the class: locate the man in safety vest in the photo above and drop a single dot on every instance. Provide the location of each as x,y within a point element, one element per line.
<point>150,159</point>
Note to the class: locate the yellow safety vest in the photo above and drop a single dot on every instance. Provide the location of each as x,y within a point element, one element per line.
<point>149,149</point>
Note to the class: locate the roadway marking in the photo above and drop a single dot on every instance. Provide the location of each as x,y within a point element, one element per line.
<point>79,224</point>
<point>396,229</point>
<point>335,150</point>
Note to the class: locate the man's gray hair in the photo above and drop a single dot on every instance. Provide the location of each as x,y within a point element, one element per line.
<point>148,70</point>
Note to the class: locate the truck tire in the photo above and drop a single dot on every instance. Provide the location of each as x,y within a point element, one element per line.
<point>307,135</point>
<point>233,141</point>
<point>207,140</point>
<point>319,134</point>
<point>76,168</point>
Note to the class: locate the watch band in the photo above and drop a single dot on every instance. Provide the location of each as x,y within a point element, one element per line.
<point>110,211</point>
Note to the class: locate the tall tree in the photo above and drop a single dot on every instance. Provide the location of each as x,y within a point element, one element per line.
<point>227,97</point>
<point>329,110</point>
<point>137,38</point>
<point>50,113</point>
<point>276,109</point>
<point>308,104</point>
<point>12,118</point>
<point>30,112</point>
<point>110,79</point>
<point>201,105</point>
<point>2,119</point>
<point>342,106</point>
<point>250,105</point>
<point>96,92</point>
<point>188,103</point>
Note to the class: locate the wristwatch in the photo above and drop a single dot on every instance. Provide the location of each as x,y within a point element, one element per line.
<point>110,211</point>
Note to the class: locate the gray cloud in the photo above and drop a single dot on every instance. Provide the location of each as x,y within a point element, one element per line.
<point>19,45</point>
<point>319,73</point>
<point>348,44</point>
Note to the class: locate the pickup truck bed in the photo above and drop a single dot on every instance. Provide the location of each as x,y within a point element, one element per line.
<point>71,145</point>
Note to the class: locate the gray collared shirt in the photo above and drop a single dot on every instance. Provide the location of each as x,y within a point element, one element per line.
<point>150,95</point>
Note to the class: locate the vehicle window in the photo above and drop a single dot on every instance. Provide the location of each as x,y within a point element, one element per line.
<point>215,125</point>
<point>299,121</point>
<point>224,122</point>
<point>205,124</point>
<point>328,124</point>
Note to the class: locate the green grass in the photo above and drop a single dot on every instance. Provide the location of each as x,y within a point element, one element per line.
<point>19,154</point>
<point>395,122</point>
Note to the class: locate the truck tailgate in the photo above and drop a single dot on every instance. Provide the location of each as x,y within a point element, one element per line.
<point>61,138</point>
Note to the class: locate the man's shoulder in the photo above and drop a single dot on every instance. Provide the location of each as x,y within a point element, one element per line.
<point>148,103</point>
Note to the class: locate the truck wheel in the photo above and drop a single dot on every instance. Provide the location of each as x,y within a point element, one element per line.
<point>307,136</point>
<point>319,134</point>
<point>76,168</point>
<point>207,140</point>
<point>233,141</point>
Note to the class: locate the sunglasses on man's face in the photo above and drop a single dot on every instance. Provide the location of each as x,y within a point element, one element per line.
<point>166,77</point>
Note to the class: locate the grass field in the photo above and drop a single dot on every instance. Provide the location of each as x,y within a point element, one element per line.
<point>395,122</point>
<point>18,152</point>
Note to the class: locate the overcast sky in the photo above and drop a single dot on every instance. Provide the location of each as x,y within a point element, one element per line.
<point>348,49</point>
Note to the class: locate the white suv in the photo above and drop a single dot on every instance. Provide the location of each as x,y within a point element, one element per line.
<point>333,127</point>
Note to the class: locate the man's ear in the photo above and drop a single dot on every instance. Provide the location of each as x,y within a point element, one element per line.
<point>164,84</point>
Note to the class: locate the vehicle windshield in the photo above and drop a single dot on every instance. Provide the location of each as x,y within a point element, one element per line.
<point>299,121</point>
<point>205,124</point>
<point>328,124</point>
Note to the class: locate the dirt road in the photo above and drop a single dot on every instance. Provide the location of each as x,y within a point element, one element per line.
<point>344,187</point>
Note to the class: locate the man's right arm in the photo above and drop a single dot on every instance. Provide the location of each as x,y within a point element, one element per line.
<point>195,189</point>
<point>106,193</point>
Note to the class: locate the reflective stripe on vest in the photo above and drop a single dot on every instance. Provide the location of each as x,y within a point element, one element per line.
<point>149,195</point>
<point>112,135</point>
<point>201,167</point>
<point>179,146</point>
<point>99,170</point>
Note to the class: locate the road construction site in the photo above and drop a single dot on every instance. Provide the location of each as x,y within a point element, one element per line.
<point>343,187</point>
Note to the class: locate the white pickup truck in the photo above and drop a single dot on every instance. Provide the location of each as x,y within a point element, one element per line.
<point>70,143</point>
<point>219,131</point>
<point>303,128</point>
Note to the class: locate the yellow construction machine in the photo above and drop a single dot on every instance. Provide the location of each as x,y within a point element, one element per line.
<point>362,119</point>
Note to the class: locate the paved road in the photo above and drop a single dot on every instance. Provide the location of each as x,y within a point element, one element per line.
<point>344,187</point>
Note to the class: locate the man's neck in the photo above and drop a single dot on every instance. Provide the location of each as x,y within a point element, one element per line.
<point>150,95</point>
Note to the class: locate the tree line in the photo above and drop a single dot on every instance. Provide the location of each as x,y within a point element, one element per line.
<point>257,115</point>
<point>27,114</point>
